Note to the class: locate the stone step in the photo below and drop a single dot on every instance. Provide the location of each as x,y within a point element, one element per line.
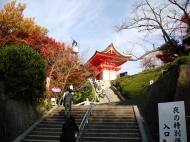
<point>43,137</point>
<point>107,123</point>
<point>112,108</point>
<point>52,133</point>
<point>111,126</point>
<point>112,134</point>
<point>113,117</point>
<point>113,113</point>
<point>116,107</point>
<point>126,123</point>
<point>110,139</point>
<point>50,128</point>
<point>59,119</point>
<point>33,140</point>
<point>130,120</point>
<point>54,120</point>
<point>125,130</point>
<point>62,116</point>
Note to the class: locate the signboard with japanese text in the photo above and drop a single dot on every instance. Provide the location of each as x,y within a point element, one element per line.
<point>172,123</point>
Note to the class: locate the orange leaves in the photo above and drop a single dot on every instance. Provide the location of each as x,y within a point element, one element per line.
<point>63,66</point>
<point>12,20</point>
<point>44,44</point>
<point>16,29</point>
<point>12,16</point>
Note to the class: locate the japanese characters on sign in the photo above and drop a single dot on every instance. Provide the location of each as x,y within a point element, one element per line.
<point>172,124</point>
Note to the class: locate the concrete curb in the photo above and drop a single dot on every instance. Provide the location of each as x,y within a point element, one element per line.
<point>25,133</point>
<point>141,125</point>
<point>118,93</point>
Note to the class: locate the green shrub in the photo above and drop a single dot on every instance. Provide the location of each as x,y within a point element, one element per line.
<point>88,92</point>
<point>44,104</point>
<point>77,98</point>
<point>22,71</point>
<point>85,92</point>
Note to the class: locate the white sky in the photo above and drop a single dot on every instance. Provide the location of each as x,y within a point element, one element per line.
<point>91,23</point>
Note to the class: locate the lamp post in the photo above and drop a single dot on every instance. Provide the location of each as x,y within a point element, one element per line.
<point>75,47</point>
<point>75,50</point>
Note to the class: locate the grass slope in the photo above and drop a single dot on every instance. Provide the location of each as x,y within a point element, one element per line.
<point>136,86</point>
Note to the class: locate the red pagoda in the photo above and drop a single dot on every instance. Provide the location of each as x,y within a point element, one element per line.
<point>107,63</point>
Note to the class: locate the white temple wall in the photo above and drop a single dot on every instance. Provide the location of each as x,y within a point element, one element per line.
<point>108,75</point>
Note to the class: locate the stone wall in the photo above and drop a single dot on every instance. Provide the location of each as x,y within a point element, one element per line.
<point>162,90</point>
<point>174,85</point>
<point>15,118</point>
<point>183,87</point>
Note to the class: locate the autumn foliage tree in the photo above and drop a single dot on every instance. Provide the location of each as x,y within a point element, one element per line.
<point>63,67</point>
<point>170,53</point>
<point>67,69</point>
<point>16,29</point>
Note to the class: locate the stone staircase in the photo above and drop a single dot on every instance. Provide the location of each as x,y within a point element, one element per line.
<point>49,129</point>
<point>110,97</point>
<point>112,123</point>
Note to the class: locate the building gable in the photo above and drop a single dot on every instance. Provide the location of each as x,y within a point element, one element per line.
<point>111,50</point>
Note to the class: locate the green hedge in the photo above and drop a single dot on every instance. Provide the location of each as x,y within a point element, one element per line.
<point>22,71</point>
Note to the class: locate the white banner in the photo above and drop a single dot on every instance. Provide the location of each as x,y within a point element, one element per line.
<point>172,123</point>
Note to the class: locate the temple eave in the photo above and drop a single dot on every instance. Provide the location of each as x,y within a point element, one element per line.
<point>107,63</point>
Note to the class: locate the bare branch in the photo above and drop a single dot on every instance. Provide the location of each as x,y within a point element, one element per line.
<point>144,55</point>
<point>167,18</point>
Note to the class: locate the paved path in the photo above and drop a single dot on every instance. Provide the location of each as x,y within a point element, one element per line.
<point>110,97</point>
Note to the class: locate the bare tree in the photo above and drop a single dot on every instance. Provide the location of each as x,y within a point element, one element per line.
<point>135,58</point>
<point>149,16</point>
<point>150,62</point>
<point>183,15</point>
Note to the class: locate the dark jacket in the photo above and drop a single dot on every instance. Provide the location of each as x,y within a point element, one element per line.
<point>68,130</point>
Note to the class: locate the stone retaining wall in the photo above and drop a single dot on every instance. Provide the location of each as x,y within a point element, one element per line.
<point>15,117</point>
<point>174,85</point>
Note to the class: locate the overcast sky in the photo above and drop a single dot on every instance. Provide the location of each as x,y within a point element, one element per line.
<point>91,23</point>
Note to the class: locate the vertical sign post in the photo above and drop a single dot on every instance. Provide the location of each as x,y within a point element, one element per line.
<point>172,122</point>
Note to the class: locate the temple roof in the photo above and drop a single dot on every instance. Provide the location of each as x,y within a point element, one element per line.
<point>109,55</point>
<point>111,50</point>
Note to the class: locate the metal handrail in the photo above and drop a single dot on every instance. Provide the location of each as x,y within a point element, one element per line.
<point>85,118</point>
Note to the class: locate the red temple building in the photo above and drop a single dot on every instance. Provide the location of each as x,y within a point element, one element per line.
<point>107,63</point>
